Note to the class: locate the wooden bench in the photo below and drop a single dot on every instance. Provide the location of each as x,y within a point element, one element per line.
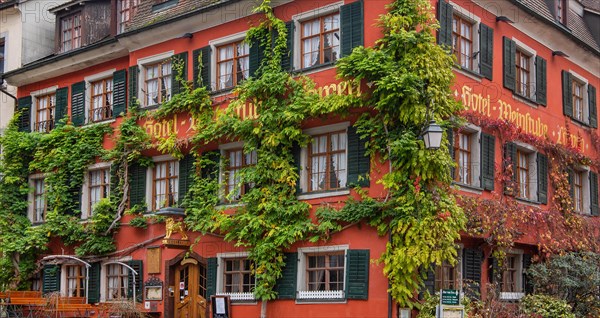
<point>24,294</point>
<point>71,300</point>
<point>70,310</point>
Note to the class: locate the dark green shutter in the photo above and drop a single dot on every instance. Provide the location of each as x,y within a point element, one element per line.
<point>570,177</point>
<point>450,135</point>
<point>210,164</point>
<point>542,176</point>
<point>119,93</point>
<point>527,282</point>
<point>211,277</point>
<point>78,103</point>
<point>593,109</point>
<point>186,175</point>
<point>296,153</point>
<point>137,185</point>
<point>287,60</point>
<point>508,64</point>
<point>486,51</point>
<point>176,85</point>
<point>24,106</point>
<point>510,158</point>
<point>201,65</point>
<point>357,274</point>
<point>594,205</point>
<point>94,284</point>
<point>494,273</point>
<point>445,15</point>
<point>138,266</point>
<point>51,279</point>
<point>62,103</point>
<point>133,84</point>
<point>359,164</point>
<point>471,271</point>
<point>567,88</point>
<point>488,157</point>
<point>428,283</point>
<point>114,184</point>
<point>351,27</point>
<point>257,54</point>
<point>286,284</point>
<point>540,80</point>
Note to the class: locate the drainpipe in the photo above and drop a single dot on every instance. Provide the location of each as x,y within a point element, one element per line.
<point>7,93</point>
<point>390,285</point>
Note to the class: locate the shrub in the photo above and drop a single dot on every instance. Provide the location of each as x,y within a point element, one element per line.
<point>546,306</point>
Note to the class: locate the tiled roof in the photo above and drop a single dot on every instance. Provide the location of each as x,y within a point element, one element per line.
<point>145,16</point>
<point>540,7</point>
<point>576,24</point>
<point>592,4</point>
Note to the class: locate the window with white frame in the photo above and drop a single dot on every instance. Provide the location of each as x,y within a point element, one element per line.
<point>75,280</point>
<point>579,100</point>
<point>45,107</point>
<point>38,205</point>
<point>447,276</point>
<point>463,41</point>
<point>322,272</point>
<point>524,71</point>
<point>236,160</point>
<point>99,96</point>
<point>233,62</point>
<point>525,172</point>
<point>165,184</point>
<point>155,79</point>
<point>235,276</point>
<point>511,285</point>
<point>581,189</point>
<point>96,186</point>
<point>116,282</point>
<point>126,9</point>
<point>467,156</point>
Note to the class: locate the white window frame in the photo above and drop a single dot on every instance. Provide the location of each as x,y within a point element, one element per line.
<point>235,297</point>
<point>585,189</point>
<point>223,169</point>
<point>214,44</point>
<point>586,101</point>
<point>309,15</point>
<point>150,179</point>
<point>520,46</point>
<point>303,173</point>
<point>532,170</point>
<point>64,283</point>
<point>4,38</point>
<point>31,196</point>
<point>475,133</point>
<point>34,97</point>
<point>104,279</point>
<point>476,21</point>
<point>304,296</point>
<point>85,188</point>
<point>142,64</point>
<point>458,266</point>
<point>519,284</point>
<point>89,91</point>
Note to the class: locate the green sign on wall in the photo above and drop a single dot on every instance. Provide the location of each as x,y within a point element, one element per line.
<point>450,297</point>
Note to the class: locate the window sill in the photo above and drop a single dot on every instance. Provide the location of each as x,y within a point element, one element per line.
<point>336,296</point>
<point>97,123</point>
<point>511,296</point>
<point>240,298</point>
<point>468,73</point>
<point>468,187</point>
<point>528,201</point>
<point>526,100</point>
<point>313,69</point>
<point>579,122</point>
<point>322,194</point>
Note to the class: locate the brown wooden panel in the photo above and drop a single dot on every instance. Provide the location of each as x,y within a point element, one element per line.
<point>153,257</point>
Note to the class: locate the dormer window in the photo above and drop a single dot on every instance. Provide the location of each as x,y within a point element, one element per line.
<point>561,11</point>
<point>70,32</point>
<point>126,10</point>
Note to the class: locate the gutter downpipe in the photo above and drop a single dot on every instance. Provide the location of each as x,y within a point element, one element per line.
<point>389,284</point>
<point>6,92</point>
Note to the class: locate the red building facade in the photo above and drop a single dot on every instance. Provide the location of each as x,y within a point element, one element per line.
<point>526,64</point>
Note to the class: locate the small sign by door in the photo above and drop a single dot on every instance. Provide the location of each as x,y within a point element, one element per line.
<point>220,306</point>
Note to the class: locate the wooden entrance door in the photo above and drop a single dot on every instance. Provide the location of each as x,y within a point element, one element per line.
<point>190,289</point>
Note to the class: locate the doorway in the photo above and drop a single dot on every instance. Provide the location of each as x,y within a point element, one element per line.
<point>190,289</point>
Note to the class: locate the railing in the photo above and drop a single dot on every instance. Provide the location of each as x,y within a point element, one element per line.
<point>44,126</point>
<point>321,294</point>
<point>240,297</point>
<point>511,295</point>
<point>101,113</point>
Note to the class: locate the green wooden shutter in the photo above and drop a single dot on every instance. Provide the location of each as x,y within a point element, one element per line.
<point>133,84</point>
<point>486,50</point>
<point>51,279</point>
<point>508,64</point>
<point>286,284</point>
<point>210,164</point>
<point>428,283</point>
<point>62,103</point>
<point>567,88</point>
<point>137,185</point>
<point>359,165</point>
<point>494,272</point>
<point>24,106</point>
<point>211,277</point>
<point>471,271</point>
<point>287,60</point>
<point>445,15</point>
<point>357,274</point>
<point>540,80</point>
<point>594,205</point>
<point>94,284</point>
<point>510,157</point>
<point>186,176</point>
<point>296,153</point>
<point>78,103</point>
<point>202,68</point>
<point>570,177</point>
<point>176,85</point>
<point>593,108</point>
<point>450,136</point>
<point>542,176</point>
<point>138,266</point>
<point>119,93</point>
<point>351,27</point>
<point>257,54</point>
<point>488,157</point>
<point>526,281</point>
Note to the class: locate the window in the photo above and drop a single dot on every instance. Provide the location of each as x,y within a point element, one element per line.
<point>325,271</point>
<point>44,114</point>
<point>75,281</point>
<point>320,40</point>
<point>579,99</point>
<point>511,276</point>
<point>529,171</point>
<point>102,100</point>
<point>237,276</point>
<point>116,278</point>
<point>463,159</point>
<point>99,185</point>
<point>157,82</point>
<point>584,190</point>
<point>39,201</point>
<point>446,276</point>
<point>165,181</point>
<point>70,32</point>
<point>523,73</point>
<point>2,55</point>
<point>578,109</point>
<point>236,162</point>
<point>522,166</point>
<point>462,41</point>
<point>232,64</point>
<point>577,186</point>
<point>127,9</point>
<point>561,11</point>
<point>327,162</point>
<point>36,281</point>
